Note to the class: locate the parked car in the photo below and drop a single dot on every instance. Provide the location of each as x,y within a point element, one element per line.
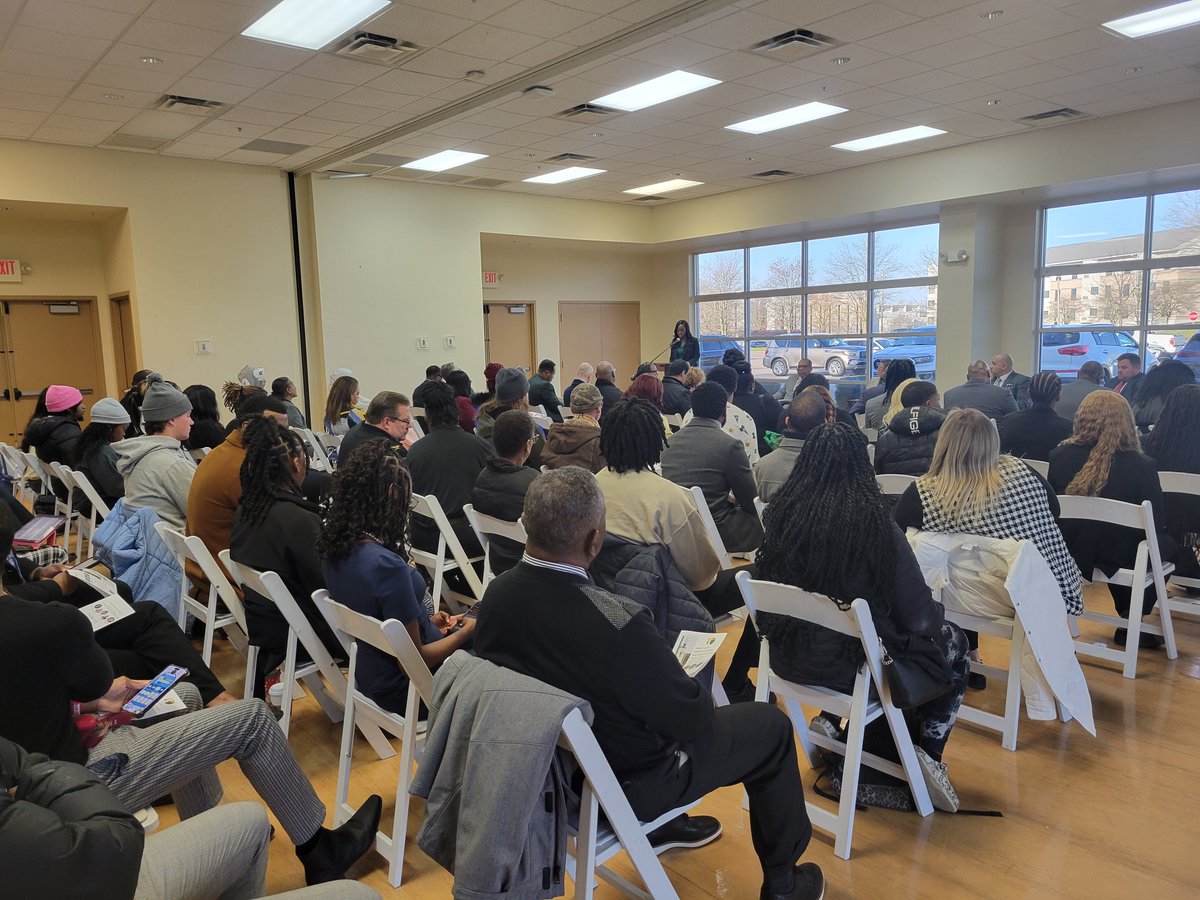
<point>1190,354</point>
<point>1063,352</point>
<point>1158,344</point>
<point>834,355</point>
<point>713,347</point>
<point>920,346</point>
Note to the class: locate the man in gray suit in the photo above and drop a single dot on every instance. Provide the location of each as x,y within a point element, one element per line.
<point>1013,382</point>
<point>806,412</point>
<point>979,393</point>
<point>1090,380</point>
<point>701,454</point>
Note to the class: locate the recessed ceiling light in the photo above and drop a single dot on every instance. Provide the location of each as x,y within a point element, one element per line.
<point>1153,21</point>
<point>992,15</point>
<point>993,103</point>
<point>151,60</point>
<point>785,118</point>
<point>888,138</point>
<point>571,173</point>
<point>676,184</point>
<point>311,24</point>
<point>840,60</point>
<point>595,134</point>
<point>447,159</point>
<point>656,90</point>
<point>114,96</point>
<point>1133,70</point>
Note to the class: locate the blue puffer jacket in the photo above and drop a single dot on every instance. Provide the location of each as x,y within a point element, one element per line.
<point>127,543</point>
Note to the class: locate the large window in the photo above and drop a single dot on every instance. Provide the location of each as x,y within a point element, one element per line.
<point>1120,276</point>
<point>841,302</point>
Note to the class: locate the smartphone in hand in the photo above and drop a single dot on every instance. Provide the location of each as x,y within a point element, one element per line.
<point>144,699</point>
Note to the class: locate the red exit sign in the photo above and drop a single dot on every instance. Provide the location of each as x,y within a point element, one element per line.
<point>491,279</point>
<point>10,270</point>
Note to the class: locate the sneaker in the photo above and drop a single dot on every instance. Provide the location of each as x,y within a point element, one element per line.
<point>746,693</point>
<point>688,832</point>
<point>941,791</point>
<point>809,884</point>
<point>822,726</point>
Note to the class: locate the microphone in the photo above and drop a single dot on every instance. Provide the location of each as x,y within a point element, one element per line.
<point>674,343</point>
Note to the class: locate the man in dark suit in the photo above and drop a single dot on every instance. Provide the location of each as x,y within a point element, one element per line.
<point>1032,433</point>
<point>1013,382</point>
<point>1129,375</point>
<point>979,393</point>
<point>677,399</point>
<point>606,377</point>
<point>1090,379</point>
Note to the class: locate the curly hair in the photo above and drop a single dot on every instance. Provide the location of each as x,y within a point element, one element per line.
<point>234,394</point>
<point>830,521</point>
<point>267,468</point>
<point>646,387</point>
<point>693,378</point>
<point>633,435</point>
<point>1104,423</point>
<point>372,493</point>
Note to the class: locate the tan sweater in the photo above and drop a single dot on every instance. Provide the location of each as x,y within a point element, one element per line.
<point>645,508</point>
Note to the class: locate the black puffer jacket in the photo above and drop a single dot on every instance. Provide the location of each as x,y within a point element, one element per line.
<point>906,447</point>
<point>54,438</point>
<point>500,492</point>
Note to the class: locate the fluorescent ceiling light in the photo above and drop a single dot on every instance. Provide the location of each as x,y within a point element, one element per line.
<point>311,24</point>
<point>569,174</point>
<point>447,159</point>
<point>1153,21</point>
<point>656,90</point>
<point>785,118</point>
<point>888,138</point>
<point>675,184</point>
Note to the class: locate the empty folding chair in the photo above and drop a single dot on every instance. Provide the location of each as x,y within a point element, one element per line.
<point>437,564</point>
<point>1038,465</point>
<point>419,423</point>
<point>79,482</point>
<point>63,506</point>
<point>1148,570</point>
<point>389,637</point>
<point>860,707</point>
<point>486,527</point>
<point>1187,484</point>
<point>316,453</point>
<point>330,444</point>
<point>894,485</point>
<point>18,470</point>
<point>675,421</point>
<point>39,471</point>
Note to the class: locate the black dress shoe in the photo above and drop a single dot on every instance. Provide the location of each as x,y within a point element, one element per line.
<point>809,885</point>
<point>684,831</point>
<point>977,681</point>
<point>1146,641</point>
<point>336,851</point>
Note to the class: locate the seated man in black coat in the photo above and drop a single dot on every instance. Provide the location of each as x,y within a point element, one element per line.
<point>500,488</point>
<point>676,398</point>
<point>668,746</point>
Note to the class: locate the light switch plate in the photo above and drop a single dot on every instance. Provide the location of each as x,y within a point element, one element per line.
<point>422,342</point>
<point>204,348</point>
<point>450,342</point>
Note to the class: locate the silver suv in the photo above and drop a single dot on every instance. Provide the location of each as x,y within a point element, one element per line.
<point>834,355</point>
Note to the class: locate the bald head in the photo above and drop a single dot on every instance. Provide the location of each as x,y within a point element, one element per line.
<point>585,371</point>
<point>1001,365</point>
<point>606,370</point>
<point>806,412</point>
<point>979,371</point>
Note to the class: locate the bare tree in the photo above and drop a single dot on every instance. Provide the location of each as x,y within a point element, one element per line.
<point>1183,210</point>
<point>722,275</point>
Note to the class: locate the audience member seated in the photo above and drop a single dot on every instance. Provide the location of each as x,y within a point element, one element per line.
<point>490,371</point>
<point>283,389</point>
<point>1090,379</point>
<point>606,381</point>
<point>859,407</point>
<point>56,435</point>
<point>54,670</point>
<point>460,383</point>
<point>645,508</point>
<point>433,375</point>
<point>1033,432</point>
<point>1151,396</point>
<point>363,560</point>
<point>1015,383</point>
<point>875,410</point>
<point>500,488</point>
<point>677,399</point>
<point>1174,445</point>
<point>668,746</point>
<point>693,378</point>
<point>39,412</point>
<point>157,470</point>
<point>762,407</point>
<point>94,456</point>
<point>131,400</point>
<point>829,531</point>
<point>816,380</point>
<point>275,530</point>
<point>1129,375</point>
<point>583,375</point>
<point>576,442</point>
<point>233,395</point>
<point>791,387</point>
<point>648,387</point>
<point>512,392</point>
<point>738,422</point>
<point>704,456</point>
<point>207,430</point>
<point>906,447</point>
<point>979,393</point>
<point>1103,458</point>
<point>341,408</point>
<point>446,463</point>
<point>388,419</point>
<point>541,390</point>
<point>806,412</point>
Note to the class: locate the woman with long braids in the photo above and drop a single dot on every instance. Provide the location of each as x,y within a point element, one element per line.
<point>275,529</point>
<point>1152,393</point>
<point>1174,444</point>
<point>362,548</point>
<point>829,530</point>
<point>1103,458</point>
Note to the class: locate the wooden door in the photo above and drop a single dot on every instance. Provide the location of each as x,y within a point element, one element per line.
<point>591,332</point>
<point>123,341</point>
<point>508,334</point>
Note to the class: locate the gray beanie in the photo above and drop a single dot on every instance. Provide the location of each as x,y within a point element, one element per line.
<point>585,397</point>
<point>109,412</point>
<point>511,385</point>
<point>161,402</point>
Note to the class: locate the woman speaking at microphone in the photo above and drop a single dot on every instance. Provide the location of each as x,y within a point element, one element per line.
<point>683,345</point>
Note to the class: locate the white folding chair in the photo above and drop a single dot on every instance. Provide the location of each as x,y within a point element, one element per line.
<point>18,470</point>
<point>1038,465</point>
<point>860,707</point>
<point>1187,484</point>
<point>316,453</point>
<point>860,419</point>
<point>675,420</point>
<point>540,419</point>
<point>191,547</point>
<point>200,452</point>
<point>389,637</point>
<point>39,471</point>
<point>894,485</point>
<point>436,562</point>
<point>330,444</point>
<point>1148,571</point>
<point>760,507</point>
<point>415,413</point>
<point>871,454</point>
<point>485,527</point>
<point>710,526</point>
<point>872,434</point>
<point>64,506</point>
<point>100,510</point>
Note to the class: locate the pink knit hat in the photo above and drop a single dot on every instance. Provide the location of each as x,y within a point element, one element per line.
<point>61,397</point>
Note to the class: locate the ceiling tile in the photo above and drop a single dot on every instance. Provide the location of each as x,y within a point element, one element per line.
<point>228,94</point>
<point>320,126</point>
<point>544,52</point>
<point>344,112</point>
<point>173,38</point>
<point>911,38</point>
<point>231,73</point>
<point>31,102</point>
<point>34,84</point>
<point>69,136</point>
<point>987,66</point>
<point>884,72</point>
<point>159,124</point>
<point>541,18</point>
<point>245,52</point>
<point>309,87</point>
<point>490,42</point>
<point>212,14</point>
<point>737,31</point>
<point>863,22</point>
<point>99,112</point>
<point>1035,28</point>
<point>193,150</point>
<point>23,116</point>
<point>227,128</point>
<point>73,18</point>
<point>331,68</point>
<point>253,157</point>
<point>39,64</point>
<point>147,79</point>
<point>1026,75</point>
<point>257,116</point>
<point>15,130</point>
<point>280,102</point>
<point>429,28</point>
<point>377,100</point>
<point>129,53</point>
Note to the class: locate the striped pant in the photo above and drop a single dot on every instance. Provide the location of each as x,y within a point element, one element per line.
<point>178,757</point>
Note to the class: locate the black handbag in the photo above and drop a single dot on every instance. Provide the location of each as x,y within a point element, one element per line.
<point>916,670</point>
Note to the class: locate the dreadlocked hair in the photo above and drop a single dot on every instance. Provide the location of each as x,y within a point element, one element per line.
<point>1175,441</point>
<point>830,521</point>
<point>267,468</point>
<point>632,436</point>
<point>827,398</point>
<point>372,492</point>
<point>1104,423</point>
<point>233,394</point>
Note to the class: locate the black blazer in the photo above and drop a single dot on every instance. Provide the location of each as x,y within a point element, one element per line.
<point>1033,433</point>
<point>689,350</point>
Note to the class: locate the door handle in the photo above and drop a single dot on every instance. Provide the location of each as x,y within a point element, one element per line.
<point>7,394</point>
<point>16,394</point>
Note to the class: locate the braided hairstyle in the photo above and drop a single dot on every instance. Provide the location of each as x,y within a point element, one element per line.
<point>1103,423</point>
<point>267,469</point>
<point>830,521</point>
<point>827,399</point>
<point>898,370</point>
<point>372,493</point>
<point>632,436</point>
<point>234,394</point>
<point>1175,441</point>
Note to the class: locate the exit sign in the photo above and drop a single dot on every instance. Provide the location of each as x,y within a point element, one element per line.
<point>491,279</point>
<point>10,270</point>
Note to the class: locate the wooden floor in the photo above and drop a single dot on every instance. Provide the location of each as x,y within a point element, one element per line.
<point>1111,816</point>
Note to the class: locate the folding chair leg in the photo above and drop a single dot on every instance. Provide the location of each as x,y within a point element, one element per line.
<point>847,805</point>
<point>1012,699</point>
<point>288,681</point>
<point>585,845</point>
<point>329,703</point>
<point>761,690</point>
<point>251,672</point>
<point>393,847</point>
<point>341,805</point>
<point>1133,628</point>
<point>1164,615</point>
<point>908,760</point>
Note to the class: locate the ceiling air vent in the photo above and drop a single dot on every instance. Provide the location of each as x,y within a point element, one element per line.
<point>447,178</point>
<point>486,182</point>
<point>772,173</point>
<point>564,157</point>
<point>1062,114</point>
<point>134,142</point>
<point>795,44</point>
<point>648,199</point>
<point>586,112</point>
<point>377,48</point>
<point>286,148</point>
<point>191,105</point>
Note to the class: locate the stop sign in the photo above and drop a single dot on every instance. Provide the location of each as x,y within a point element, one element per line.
<point>1193,316</point>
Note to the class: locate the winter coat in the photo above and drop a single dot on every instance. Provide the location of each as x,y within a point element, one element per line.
<point>610,392</point>
<point>765,410</point>
<point>906,447</point>
<point>128,544</point>
<point>677,399</point>
<point>158,474</point>
<point>54,438</point>
<point>541,393</point>
<point>1032,433</point>
<point>500,492</point>
<point>573,443</point>
<point>206,433</point>
<point>486,421</point>
<point>100,468</point>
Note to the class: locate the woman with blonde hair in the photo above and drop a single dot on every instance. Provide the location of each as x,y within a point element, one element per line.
<point>1103,458</point>
<point>896,403</point>
<point>693,378</point>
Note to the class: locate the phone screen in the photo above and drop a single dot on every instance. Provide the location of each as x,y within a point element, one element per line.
<point>472,613</point>
<point>155,690</point>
